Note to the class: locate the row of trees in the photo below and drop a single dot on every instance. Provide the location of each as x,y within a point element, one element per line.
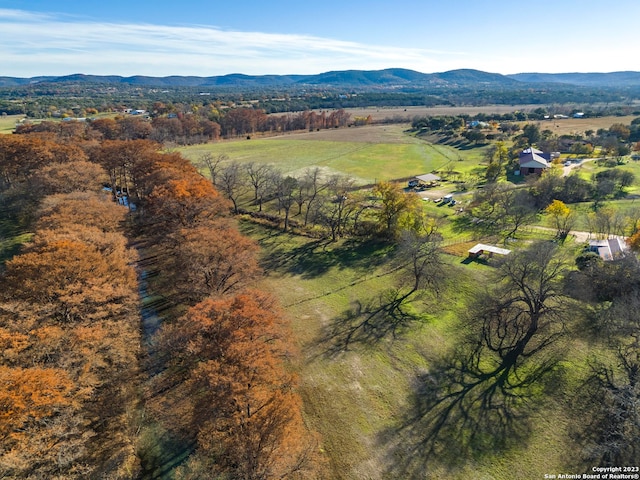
<point>69,335</point>
<point>325,205</point>
<point>69,321</point>
<point>187,129</point>
<point>224,383</point>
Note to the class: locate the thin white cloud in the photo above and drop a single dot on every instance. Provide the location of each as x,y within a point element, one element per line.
<point>41,44</point>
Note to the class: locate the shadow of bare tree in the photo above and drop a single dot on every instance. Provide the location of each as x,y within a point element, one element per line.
<point>388,315</point>
<point>480,398</point>
<point>460,410</point>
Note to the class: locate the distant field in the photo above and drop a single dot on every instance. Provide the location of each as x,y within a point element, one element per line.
<point>367,154</point>
<point>559,126</point>
<point>380,113</point>
<point>8,123</point>
<point>371,153</point>
<point>580,125</point>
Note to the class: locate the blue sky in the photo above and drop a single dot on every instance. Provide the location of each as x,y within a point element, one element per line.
<point>204,38</point>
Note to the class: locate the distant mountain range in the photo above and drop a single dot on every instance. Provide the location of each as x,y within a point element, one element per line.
<point>381,79</point>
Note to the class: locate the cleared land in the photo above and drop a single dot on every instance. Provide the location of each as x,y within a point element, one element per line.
<point>8,123</point>
<point>368,154</point>
<point>360,386</point>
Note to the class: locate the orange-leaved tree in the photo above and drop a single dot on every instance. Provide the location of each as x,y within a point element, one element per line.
<point>244,404</point>
<point>212,259</point>
<point>29,396</point>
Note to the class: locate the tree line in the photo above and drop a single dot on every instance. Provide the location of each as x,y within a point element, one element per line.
<point>312,202</point>
<point>69,323</point>
<point>187,128</point>
<point>78,384</point>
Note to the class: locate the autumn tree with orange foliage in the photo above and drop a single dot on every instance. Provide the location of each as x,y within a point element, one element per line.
<point>28,396</point>
<point>21,155</point>
<point>244,406</point>
<point>75,176</point>
<point>184,202</point>
<point>212,259</point>
<point>634,242</point>
<point>88,209</point>
<point>69,337</point>
<point>68,280</point>
<point>125,161</point>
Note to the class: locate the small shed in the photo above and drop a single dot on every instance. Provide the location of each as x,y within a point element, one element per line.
<point>481,249</point>
<point>428,179</point>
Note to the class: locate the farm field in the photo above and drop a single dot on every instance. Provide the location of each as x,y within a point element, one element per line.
<point>8,123</point>
<point>367,154</point>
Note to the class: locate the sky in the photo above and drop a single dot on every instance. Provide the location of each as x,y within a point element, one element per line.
<point>258,37</point>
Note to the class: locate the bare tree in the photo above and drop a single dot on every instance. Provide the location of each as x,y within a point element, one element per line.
<point>232,183</point>
<point>335,204</point>
<point>419,252</point>
<point>260,176</point>
<point>212,164</point>
<point>481,396</point>
<point>285,192</point>
<point>312,180</point>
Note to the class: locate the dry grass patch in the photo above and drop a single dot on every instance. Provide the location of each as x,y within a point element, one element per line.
<point>571,126</point>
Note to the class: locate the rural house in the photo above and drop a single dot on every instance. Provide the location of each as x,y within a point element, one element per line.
<point>533,161</point>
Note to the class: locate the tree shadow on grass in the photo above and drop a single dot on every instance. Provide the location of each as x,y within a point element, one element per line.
<point>459,411</point>
<point>368,323</point>
<point>316,257</point>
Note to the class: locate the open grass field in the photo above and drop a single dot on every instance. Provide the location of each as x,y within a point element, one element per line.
<point>370,153</point>
<point>359,391</point>
<point>569,126</point>
<point>8,123</point>
<point>353,392</point>
<point>367,154</point>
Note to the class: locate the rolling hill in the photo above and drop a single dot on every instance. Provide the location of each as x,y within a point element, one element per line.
<point>387,78</point>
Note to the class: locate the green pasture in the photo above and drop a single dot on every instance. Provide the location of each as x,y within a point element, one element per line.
<point>353,390</point>
<point>366,162</point>
<point>8,123</point>
<point>359,393</point>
